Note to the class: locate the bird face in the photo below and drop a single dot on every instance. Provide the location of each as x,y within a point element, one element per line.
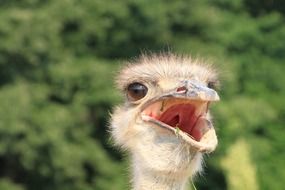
<point>166,106</point>
<point>181,109</point>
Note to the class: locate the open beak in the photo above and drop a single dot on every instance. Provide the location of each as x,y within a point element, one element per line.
<point>183,111</point>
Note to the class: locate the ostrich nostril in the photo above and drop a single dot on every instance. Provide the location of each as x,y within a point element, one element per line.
<point>182,89</point>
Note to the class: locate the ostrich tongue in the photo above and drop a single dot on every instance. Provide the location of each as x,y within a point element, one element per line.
<point>187,116</point>
<point>183,116</point>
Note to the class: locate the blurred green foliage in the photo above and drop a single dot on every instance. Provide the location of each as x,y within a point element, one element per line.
<point>58,60</point>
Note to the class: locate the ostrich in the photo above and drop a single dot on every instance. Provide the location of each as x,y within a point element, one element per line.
<point>164,122</point>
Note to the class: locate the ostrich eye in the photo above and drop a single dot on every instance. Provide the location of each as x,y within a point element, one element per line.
<point>211,85</point>
<point>136,91</point>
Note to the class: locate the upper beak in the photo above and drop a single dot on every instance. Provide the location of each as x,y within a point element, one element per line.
<point>191,89</point>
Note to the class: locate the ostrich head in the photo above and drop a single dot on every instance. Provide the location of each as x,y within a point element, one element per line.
<point>165,122</point>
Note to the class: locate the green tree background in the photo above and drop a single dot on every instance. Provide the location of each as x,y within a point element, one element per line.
<point>58,60</point>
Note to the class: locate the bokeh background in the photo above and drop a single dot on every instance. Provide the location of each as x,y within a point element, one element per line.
<point>57,63</point>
